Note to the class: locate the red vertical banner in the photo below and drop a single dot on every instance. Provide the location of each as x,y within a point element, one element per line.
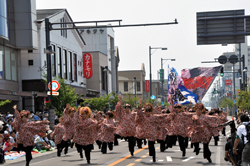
<point>147,86</point>
<point>227,82</point>
<point>87,65</point>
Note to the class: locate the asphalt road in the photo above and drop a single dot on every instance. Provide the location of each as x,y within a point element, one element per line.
<point>121,157</point>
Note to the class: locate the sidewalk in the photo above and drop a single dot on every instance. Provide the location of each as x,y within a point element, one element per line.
<point>37,155</point>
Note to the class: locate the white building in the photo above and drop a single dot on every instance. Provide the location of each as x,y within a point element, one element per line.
<point>100,43</point>
<point>66,62</point>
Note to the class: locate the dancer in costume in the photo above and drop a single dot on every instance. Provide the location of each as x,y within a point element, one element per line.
<point>84,127</point>
<point>57,135</point>
<point>107,132</point>
<point>68,118</point>
<point>26,132</point>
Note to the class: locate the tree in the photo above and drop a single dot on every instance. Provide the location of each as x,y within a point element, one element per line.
<point>101,103</point>
<point>226,102</point>
<point>4,102</point>
<point>131,100</point>
<point>243,100</point>
<point>66,95</point>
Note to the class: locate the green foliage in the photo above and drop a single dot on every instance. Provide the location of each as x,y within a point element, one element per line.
<point>243,100</point>
<point>100,103</point>
<point>131,100</point>
<point>66,95</point>
<point>2,103</point>
<point>226,102</point>
<point>152,101</point>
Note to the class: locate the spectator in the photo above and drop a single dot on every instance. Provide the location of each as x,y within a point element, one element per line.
<point>36,116</point>
<point>241,131</point>
<point>229,156</point>
<point>7,146</point>
<point>1,149</point>
<point>41,144</point>
<point>13,140</point>
<point>9,124</point>
<point>46,116</point>
<point>2,118</point>
<point>6,117</point>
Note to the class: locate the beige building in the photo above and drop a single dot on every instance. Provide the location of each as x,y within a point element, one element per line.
<point>98,83</point>
<point>133,82</point>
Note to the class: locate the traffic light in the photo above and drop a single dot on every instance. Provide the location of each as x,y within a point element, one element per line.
<point>214,92</point>
<point>222,72</point>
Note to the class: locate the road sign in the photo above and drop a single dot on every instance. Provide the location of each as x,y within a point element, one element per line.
<point>162,103</point>
<point>234,101</point>
<point>162,75</point>
<point>221,27</point>
<point>53,93</point>
<point>55,86</point>
<point>153,97</point>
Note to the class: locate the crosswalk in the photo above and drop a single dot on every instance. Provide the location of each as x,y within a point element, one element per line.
<point>169,159</point>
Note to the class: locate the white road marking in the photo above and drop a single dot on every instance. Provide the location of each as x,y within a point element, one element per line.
<point>161,160</point>
<point>228,132</point>
<point>218,155</point>
<point>169,159</point>
<point>188,159</point>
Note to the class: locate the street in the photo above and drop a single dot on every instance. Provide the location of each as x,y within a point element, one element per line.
<point>121,157</point>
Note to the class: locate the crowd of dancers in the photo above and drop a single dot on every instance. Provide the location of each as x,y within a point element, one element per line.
<point>165,126</point>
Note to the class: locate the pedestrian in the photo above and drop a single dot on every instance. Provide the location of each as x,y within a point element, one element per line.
<point>26,131</point>
<point>242,131</point>
<point>84,127</point>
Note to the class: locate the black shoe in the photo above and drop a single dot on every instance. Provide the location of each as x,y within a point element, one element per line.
<point>154,159</point>
<point>72,144</point>
<point>81,155</point>
<point>88,161</point>
<point>132,153</point>
<point>209,160</point>
<point>198,151</point>
<point>183,153</point>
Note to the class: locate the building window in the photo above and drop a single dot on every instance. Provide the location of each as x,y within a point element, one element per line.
<point>13,65</point>
<point>75,67</point>
<point>70,66</point>
<point>1,62</point>
<point>65,64</point>
<point>63,31</point>
<point>104,79</point>
<point>59,64</point>
<point>53,61</point>
<point>138,86</point>
<point>125,86</point>
<point>8,63</point>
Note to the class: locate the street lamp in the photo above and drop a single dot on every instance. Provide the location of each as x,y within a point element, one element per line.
<point>245,79</point>
<point>162,81</point>
<point>150,75</point>
<point>135,85</point>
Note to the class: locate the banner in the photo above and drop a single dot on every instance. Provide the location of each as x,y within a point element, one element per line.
<point>198,80</point>
<point>87,65</point>
<point>147,86</point>
<point>177,92</point>
<point>227,82</point>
